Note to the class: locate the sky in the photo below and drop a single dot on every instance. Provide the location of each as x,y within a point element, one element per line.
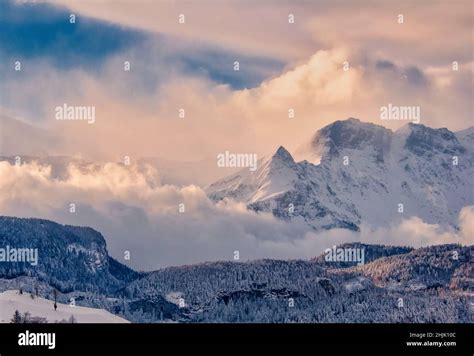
<point>337,59</point>
<point>190,66</point>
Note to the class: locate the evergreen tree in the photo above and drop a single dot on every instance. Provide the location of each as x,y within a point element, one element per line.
<point>17,317</point>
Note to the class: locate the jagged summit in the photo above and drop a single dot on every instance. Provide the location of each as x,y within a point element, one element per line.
<point>283,154</point>
<point>413,165</point>
<point>282,157</point>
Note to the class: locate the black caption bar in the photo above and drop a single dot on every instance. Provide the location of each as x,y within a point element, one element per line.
<point>67,338</point>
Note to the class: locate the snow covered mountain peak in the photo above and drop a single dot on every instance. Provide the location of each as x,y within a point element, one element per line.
<point>352,172</point>
<point>353,134</point>
<point>273,176</point>
<point>282,157</point>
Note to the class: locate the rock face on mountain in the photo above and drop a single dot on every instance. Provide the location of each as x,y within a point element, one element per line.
<point>353,172</point>
<point>68,257</point>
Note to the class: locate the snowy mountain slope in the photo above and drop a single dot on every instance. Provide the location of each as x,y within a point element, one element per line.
<point>68,257</point>
<point>466,137</point>
<point>11,300</point>
<point>362,173</point>
<point>431,282</point>
<point>273,177</point>
<point>427,267</point>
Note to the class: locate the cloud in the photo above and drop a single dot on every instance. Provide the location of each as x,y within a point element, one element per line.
<point>245,110</point>
<point>466,220</point>
<point>376,30</point>
<point>37,30</point>
<point>417,233</point>
<point>144,122</point>
<point>260,28</point>
<point>135,213</point>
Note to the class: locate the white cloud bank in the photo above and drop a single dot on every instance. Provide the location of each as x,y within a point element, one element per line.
<point>135,213</point>
<point>218,118</point>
